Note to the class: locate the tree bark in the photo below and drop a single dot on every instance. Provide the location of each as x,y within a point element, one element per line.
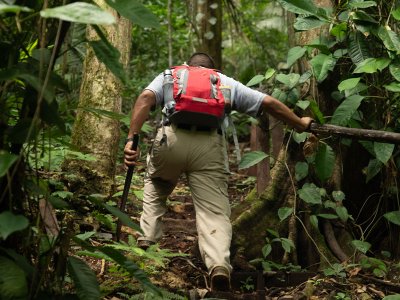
<point>98,135</point>
<point>207,16</point>
<point>252,218</point>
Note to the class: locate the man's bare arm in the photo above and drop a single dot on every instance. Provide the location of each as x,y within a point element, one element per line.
<point>281,112</point>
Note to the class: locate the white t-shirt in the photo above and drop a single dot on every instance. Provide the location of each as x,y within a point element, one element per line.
<point>243,98</point>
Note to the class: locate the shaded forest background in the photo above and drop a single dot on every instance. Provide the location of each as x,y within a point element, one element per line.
<point>70,72</point>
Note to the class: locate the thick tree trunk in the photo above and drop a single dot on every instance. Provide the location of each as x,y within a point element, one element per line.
<point>259,213</point>
<point>98,135</point>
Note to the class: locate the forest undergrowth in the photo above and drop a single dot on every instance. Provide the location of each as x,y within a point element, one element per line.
<point>175,265</point>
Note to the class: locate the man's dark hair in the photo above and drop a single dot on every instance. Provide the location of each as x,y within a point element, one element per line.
<point>200,59</point>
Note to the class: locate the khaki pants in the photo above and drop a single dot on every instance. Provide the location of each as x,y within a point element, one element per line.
<point>200,155</point>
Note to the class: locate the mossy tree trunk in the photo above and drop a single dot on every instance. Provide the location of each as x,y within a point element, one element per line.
<point>93,134</point>
<point>258,213</point>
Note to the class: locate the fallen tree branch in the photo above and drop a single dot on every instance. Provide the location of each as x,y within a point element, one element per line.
<point>356,133</point>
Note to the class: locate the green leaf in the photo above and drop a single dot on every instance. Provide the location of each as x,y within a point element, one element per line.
<point>280,95</point>
<point>136,12</point>
<point>305,76</point>
<point>132,268</point>
<point>300,137</point>
<point>86,235</point>
<point>338,196</point>
<point>303,7</point>
<point>284,212</point>
<point>255,80</point>
<point>393,217</point>
<point>125,219</point>
<point>84,278</point>
<point>364,4</point>
<point>360,87</point>
<point>340,53</point>
<point>390,39</point>
<point>5,8</point>
<point>374,167</point>
<point>342,212</point>
<point>358,49</point>
<point>301,170</point>
<point>6,161</point>
<point>266,250</point>
<point>303,104</point>
<point>287,245</point>
<point>340,31</point>
<point>109,55</point>
<point>328,216</point>
<point>307,23</point>
<point>360,15</point>
<point>251,158</point>
<point>294,54</point>
<point>396,13</point>
<point>13,284</point>
<point>348,84</point>
<point>317,112</point>
<point>394,69</point>
<point>106,113</point>
<point>269,73</point>
<point>383,151</point>
<point>372,65</point>
<point>393,87</point>
<point>346,110</point>
<point>324,162</point>
<point>321,65</point>
<point>10,223</point>
<point>274,233</point>
<point>361,246</point>
<point>290,80</point>
<point>309,193</point>
<point>79,12</point>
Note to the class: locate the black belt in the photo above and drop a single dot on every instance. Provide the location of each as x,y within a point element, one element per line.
<point>196,128</point>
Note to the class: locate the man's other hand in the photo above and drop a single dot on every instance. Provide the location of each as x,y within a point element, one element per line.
<point>130,156</point>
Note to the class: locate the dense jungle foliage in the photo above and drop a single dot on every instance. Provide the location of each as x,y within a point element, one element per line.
<point>354,62</point>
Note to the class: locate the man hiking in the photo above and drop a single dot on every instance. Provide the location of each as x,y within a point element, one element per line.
<point>185,143</point>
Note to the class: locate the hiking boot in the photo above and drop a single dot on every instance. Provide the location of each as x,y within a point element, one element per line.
<point>144,244</point>
<point>220,279</point>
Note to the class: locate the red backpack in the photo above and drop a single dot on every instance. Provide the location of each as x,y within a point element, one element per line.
<point>193,95</point>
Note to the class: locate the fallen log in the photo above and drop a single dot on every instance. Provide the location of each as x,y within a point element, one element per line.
<point>356,133</point>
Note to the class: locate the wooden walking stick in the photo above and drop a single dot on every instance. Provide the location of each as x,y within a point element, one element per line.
<point>356,133</point>
<point>127,185</point>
